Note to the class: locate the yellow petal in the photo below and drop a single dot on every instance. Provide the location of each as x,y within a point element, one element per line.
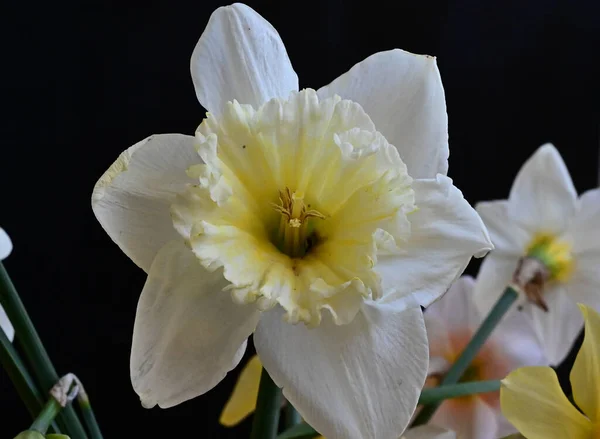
<point>585,374</point>
<point>532,400</point>
<point>242,401</point>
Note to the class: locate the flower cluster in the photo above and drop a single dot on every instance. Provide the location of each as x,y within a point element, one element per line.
<point>322,223</point>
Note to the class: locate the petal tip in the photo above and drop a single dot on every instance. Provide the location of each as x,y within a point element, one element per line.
<point>6,245</point>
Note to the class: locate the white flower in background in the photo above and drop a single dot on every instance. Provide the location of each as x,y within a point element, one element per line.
<point>292,216</point>
<point>545,222</point>
<point>451,323</point>
<point>5,250</point>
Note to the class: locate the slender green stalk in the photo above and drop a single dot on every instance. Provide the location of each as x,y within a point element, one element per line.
<point>34,351</point>
<point>268,406</point>
<point>46,416</point>
<point>18,374</point>
<point>89,418</point>
<point>299,431</point>
<point>428,396</point>
<point>435,394</point>
<point>457,370</point>
<point>292,417</point>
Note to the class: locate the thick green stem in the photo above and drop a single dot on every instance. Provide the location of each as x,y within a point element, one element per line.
<point>20,377</point>
<point>457,370</point>
<point>268,406</point>
<point>34,351</point>
<point>46,416</point>
<point>292,417</point>
<point>89,418</point>
<point>435,394</point>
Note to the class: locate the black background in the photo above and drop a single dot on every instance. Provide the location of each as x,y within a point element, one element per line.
<point>82,81</point>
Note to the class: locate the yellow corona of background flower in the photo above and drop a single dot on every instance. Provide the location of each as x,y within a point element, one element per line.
<point>319,220</point>
<point>533,401</point>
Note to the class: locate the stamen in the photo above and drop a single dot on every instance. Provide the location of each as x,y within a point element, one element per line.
<point>293,238</point>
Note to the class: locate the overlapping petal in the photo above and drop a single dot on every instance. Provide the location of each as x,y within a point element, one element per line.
<point>403,94</point>
<point>132,199</point>
<point>188,333</point>
<point>535,404</point>
<point>445,233</point>
<point>357,381</point>
<point>508,238</point>
<point>240,56</point>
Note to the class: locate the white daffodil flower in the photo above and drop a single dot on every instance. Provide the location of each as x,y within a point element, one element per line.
<point>451,323</point>
<point>291,216</point>
<point>5,250</point>
<point>543,222</point>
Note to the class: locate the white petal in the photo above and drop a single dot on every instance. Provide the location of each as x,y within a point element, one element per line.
<point>470,418</point>
<point>445,233</point>
<point>507,236</point>
<point>5,244</point>
<point>356,381</point>
<point>454,313</point>
<point>403,94</point>
<point>240,56</point>
<point>133,197</point>
<point>584,285</point>
<point>6,326</point>
<point>558,328</point>
<point>495,273</point>
<point>188,333</point>
<point>428,432</point>
<point>543,197</point>
<point>455,310</point>
<point>518,344</point>
<point>585,228</point>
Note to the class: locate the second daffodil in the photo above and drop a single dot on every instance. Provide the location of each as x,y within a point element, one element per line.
<point>317,220</point>
<point>550,239</point>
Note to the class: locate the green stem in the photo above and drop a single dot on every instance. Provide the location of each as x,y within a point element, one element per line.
<point>268,406</point>
<point>299,431</point>
<point>46,416</point>
<point>457,370</point>
<point>435,394</point>
<point>34,351</point>
<point>89,418</point>
<point>292,417</point>
<point>23,382</point>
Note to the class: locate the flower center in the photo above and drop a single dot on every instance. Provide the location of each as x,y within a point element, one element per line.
<point>554,254</point>
<point>293,201</point>
<point>294,237</point>
<point>547,259</point>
